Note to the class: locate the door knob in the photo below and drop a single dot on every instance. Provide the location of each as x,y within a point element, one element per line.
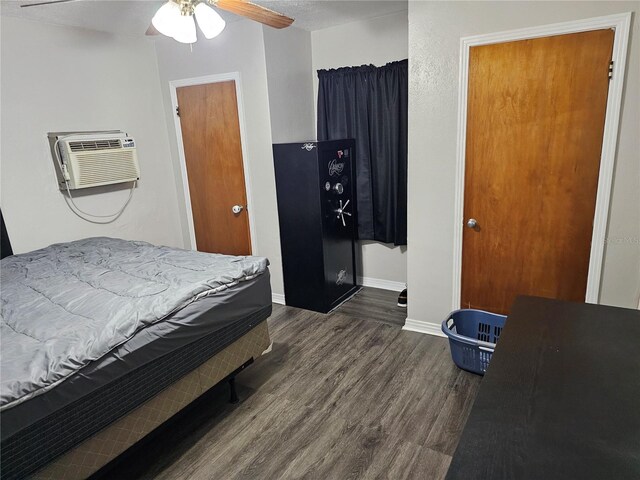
<point>237,209</point>
<point>472,223</point>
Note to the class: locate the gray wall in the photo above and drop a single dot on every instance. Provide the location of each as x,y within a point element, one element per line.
<point>46,92</point>
<point>288,57</point>
<point>240,48</point>
<point>68,79</point>
<point>435,29</point>
<point>376,41</point>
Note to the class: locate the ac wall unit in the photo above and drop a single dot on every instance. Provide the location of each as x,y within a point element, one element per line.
<point>100,159</point>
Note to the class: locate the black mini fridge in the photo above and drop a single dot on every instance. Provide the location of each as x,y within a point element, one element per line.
<point>318,220</point>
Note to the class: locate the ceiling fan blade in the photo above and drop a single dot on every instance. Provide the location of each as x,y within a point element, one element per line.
<point>254,12</point>
<point>152,30</point>
<point>50,2</point>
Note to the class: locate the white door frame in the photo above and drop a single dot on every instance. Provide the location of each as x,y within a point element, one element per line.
<point>187,82</point>
<point>618,22</point>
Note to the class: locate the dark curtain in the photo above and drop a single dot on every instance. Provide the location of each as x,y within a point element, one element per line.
<point>369,104</point>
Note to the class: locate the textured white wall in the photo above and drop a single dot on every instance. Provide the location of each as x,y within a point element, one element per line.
<point>65,79</point>
<point>376,41</point>
<point>289,79</point>
<point>435,29</point>
<point>240,48</point>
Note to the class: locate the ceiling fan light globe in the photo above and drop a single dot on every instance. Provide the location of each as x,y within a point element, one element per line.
<point>165,18</point>
<point>184,30</point>
<point>210,22</point>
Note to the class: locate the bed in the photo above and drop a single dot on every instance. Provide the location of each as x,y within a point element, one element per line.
<point>104,339</point>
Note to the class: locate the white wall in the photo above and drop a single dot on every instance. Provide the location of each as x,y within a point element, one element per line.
<point>289,79</point>
<point>240,48</point>
<point>376,41</point>
<point>65,79</point>
<point>435,29</point>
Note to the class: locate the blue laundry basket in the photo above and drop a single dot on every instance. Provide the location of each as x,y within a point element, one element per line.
<point>473,335</point>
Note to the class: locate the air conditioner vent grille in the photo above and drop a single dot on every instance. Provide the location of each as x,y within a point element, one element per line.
<point>91,145</point>
<point>105,168</point>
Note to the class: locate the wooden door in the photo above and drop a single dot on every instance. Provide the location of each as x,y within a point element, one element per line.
<point>213,154</point>
<point>535,121</point>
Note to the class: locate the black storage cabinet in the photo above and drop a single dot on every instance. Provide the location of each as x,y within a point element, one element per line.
<point>318,218</point>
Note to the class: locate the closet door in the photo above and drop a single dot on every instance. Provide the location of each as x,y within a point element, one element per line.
<point>535,121</point>
<point>210,129</point>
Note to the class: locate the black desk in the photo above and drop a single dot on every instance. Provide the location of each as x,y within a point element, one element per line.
<point>561,398</point>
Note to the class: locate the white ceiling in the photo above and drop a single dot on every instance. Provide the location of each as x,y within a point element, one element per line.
<point>133,17</point>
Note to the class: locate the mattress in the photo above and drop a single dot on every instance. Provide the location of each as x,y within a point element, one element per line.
<point>43,427</point>
<point>68,304</point>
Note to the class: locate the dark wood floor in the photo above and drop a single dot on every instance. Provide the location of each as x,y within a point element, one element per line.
<point>375,304</point>
<point>340,396</point>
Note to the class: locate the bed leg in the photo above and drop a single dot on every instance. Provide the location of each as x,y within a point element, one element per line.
<point>233,394</point>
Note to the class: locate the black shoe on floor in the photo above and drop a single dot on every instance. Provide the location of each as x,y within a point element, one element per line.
<point>402,299</point>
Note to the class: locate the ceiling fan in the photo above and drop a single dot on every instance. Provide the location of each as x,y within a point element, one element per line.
<point>176,17</point>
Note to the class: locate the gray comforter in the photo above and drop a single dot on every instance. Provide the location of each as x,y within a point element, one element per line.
<point>69,304</point>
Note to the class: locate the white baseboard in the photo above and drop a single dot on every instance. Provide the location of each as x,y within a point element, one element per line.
<point>423,327</point>
<point>383,284</point>
<point>278,298</point>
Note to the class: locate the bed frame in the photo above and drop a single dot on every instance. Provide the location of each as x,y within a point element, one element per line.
<point>96,451</point>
